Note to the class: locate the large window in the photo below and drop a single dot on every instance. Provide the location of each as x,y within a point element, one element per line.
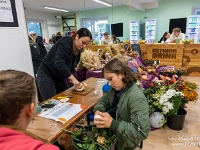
<point>91,24</point>
<point>36,27</point>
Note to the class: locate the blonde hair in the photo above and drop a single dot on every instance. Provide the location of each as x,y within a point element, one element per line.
<point>122,58</point>
<point>177,30</point>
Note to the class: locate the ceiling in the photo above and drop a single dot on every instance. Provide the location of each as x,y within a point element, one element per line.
<point>80,5</point>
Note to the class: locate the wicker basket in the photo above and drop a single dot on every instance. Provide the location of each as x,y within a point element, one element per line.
<point>66,140</point>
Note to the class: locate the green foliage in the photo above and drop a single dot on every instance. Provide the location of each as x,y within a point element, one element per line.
<point>96,139</point>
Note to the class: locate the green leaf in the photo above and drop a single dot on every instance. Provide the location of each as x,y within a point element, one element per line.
<point>91,147</point>
<point>104,133</point>
<point>79,145</point>
<point>85,138</point>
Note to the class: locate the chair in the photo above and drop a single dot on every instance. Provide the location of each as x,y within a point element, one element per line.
<point>96,74</point>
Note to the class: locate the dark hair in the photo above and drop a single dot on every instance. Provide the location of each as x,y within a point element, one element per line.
<point>58,33</point>
<point>53,35</point>
<point>163,37</point>
<point>106,33</point>
<point>118,67</point>
<point>82,32</point>
<point>114,37</point>
<point>17,89</point>
<point>50,40</point>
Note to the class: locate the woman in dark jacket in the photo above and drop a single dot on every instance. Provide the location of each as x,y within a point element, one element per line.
<point>36,55</point>
<point>38,40</point>
<point>60,63</point>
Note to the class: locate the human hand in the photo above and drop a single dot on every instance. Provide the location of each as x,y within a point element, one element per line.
<point>76,83</point>
<point>173,41</point>
<point>103,122</point>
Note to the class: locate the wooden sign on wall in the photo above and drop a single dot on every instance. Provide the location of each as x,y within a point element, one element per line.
<point>168,54</point>
<point>191,60</point>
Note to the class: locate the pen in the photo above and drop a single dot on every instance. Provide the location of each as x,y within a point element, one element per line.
<point>61,97</point>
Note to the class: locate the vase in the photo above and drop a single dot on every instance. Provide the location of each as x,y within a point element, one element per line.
<point>176,122</point>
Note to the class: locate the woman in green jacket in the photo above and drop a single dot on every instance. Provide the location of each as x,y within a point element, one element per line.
<point>124,109</point>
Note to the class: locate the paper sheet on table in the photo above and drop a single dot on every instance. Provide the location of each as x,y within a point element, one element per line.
<point>5,11</point>
<point>62,112</point>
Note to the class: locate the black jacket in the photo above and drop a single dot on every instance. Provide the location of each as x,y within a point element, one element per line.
<point>41,45</point>
<point>56,38</point>
<point>60,62</point>
<point>36,56</point>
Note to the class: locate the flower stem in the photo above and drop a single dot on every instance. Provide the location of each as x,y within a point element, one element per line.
<point>67,130</point>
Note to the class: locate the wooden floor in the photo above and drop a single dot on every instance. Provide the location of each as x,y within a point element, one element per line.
<point>187,139</point>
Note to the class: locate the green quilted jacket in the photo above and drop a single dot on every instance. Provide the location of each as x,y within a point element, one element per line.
<point>132,124</point>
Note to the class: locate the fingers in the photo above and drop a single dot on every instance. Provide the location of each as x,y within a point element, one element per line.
<point>99,113</point>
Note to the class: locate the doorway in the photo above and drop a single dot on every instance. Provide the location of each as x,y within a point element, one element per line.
<point>91,24</point>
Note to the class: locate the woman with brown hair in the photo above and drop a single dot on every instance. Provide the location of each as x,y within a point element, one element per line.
<point>18,104</point>
<point>60,64</point>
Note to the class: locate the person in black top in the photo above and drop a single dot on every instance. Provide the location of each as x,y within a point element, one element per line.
<point>38,39</point>
<point>35,54</point>
<point>57,37</point>
<point>60,63</point>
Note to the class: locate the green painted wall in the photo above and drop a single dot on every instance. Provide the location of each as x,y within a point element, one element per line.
<point>168,9</point>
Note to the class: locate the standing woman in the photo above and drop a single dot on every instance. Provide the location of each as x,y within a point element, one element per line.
<point>124,109</point>
<point>60,64</point>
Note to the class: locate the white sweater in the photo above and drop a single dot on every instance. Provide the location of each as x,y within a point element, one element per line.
<point>181,36</point>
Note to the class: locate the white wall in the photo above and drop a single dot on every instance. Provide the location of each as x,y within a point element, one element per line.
<point>51,25</point>
<point>14,45</point>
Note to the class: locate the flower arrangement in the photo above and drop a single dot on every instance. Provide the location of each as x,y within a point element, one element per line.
<point>189,90</point>
<point>180,71</point>
<point>151,62</point>
<point>161,96</point>
<point>170,102</point>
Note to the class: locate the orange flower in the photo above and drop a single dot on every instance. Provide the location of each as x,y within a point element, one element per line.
<point>151,84</point>
<point>172,80</point>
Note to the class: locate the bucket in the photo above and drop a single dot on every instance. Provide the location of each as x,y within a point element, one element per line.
<point>176,122</point>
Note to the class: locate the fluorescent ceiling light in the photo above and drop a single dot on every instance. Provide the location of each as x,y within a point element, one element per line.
<point>103,2</point>
<point>54,8</point>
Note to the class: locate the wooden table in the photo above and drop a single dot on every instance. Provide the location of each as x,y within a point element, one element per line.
<point>50,129</point>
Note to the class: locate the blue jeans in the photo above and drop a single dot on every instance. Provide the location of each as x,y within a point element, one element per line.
<point>48,87</point>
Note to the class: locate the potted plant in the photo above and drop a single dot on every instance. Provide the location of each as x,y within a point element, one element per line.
<point>189,90</point>
<point>92,138</point>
